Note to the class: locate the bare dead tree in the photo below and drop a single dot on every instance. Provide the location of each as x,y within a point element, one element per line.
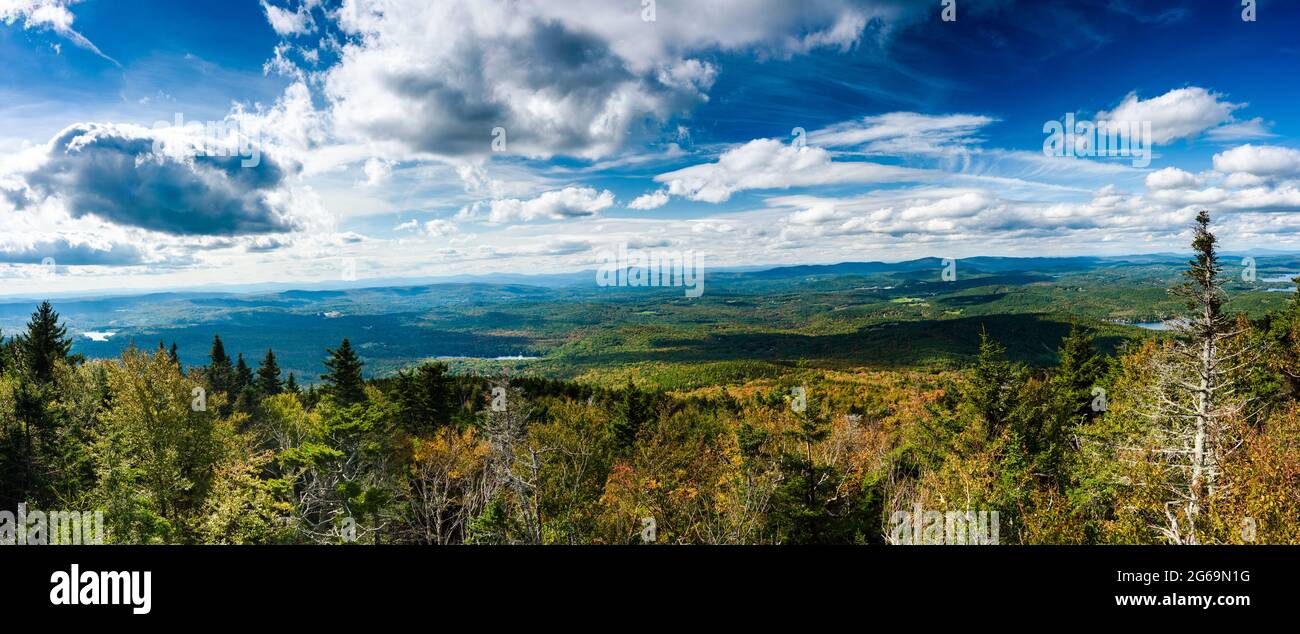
<point>442,491</point>
<point>1194,401</point>
<point>516,463</point>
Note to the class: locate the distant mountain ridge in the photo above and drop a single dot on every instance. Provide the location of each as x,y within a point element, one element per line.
<point>974,264</point>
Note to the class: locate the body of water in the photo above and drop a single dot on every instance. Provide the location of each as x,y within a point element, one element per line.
<point>1156,325</point>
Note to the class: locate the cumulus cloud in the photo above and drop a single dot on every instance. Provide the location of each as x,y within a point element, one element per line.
<point>436,228</point>
<point>52,15</point>
<point>1259,160</point>
<point>897,213</point>
<point>290,22</point>
<point>562,204</point>
<point>769,164</point>
<point>652,200</point>
<point>439,228</point>
<point>377,172</point>
<point>561,78</point>
<point>134,176</point>
<point>1181,113</point>
<point>1170,178</point>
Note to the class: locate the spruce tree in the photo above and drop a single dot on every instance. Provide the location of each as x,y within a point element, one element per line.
<point>633,411</point>
<point>243,374</point>
<point>176,358</point>
<point>343,381</point>
<point>994,387</point>
<point>291,385</point>
<point>45,344</point>
<point>808,505</point>
<point>424,398</point>
<point>1072,400</point>
<point>244,391</point>
<point>268,375</point>
<point>221,376</point>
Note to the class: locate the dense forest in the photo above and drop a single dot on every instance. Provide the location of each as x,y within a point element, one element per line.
<point>1190,438</point>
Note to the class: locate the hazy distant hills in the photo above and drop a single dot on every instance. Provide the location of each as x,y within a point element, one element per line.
<point>834,312</point>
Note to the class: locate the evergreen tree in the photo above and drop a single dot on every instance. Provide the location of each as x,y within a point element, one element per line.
<point>45,344</point>
<point>1072,401</point>
<point>221,375</point>
<point>632,412</point>
<point>424,398</point>
<point>343,381</point>
<point>291,385</point>
<point>244,390</point>
<point>268,376</point>
<point>994,386</point>
<point>243,375</point>
<point>808,505</point>
<point>176,358</point>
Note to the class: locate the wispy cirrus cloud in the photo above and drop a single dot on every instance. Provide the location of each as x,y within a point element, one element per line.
<point>51,15</point>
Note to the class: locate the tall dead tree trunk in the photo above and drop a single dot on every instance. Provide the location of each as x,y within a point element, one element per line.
<point>1195,400</point>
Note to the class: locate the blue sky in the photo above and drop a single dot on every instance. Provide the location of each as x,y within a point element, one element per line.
<point>389,138</point>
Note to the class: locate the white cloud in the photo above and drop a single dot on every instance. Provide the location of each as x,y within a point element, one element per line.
<point>904,133</point>
<point>769,164</point>
<point>1170,178</point>
<point>377,171</point>
<point>439,228</point>
<point>1238,180</point>
<point>1181,113</point>
<point>576,78</point>
<point>1241,131</point>
<point>287,22</point>
<point>562,204</point>
<point>52,15</point>
<point>652,200</point>
<point>1259,160</point>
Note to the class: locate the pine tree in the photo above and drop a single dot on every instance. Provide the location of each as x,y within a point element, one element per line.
<point>45,344</point>
<point>343,381</point>
<point>291,385</point>
<point>268,376</point>
<point>176,358</point>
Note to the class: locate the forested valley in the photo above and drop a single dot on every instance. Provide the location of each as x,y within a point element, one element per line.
<point>1191,438</point>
